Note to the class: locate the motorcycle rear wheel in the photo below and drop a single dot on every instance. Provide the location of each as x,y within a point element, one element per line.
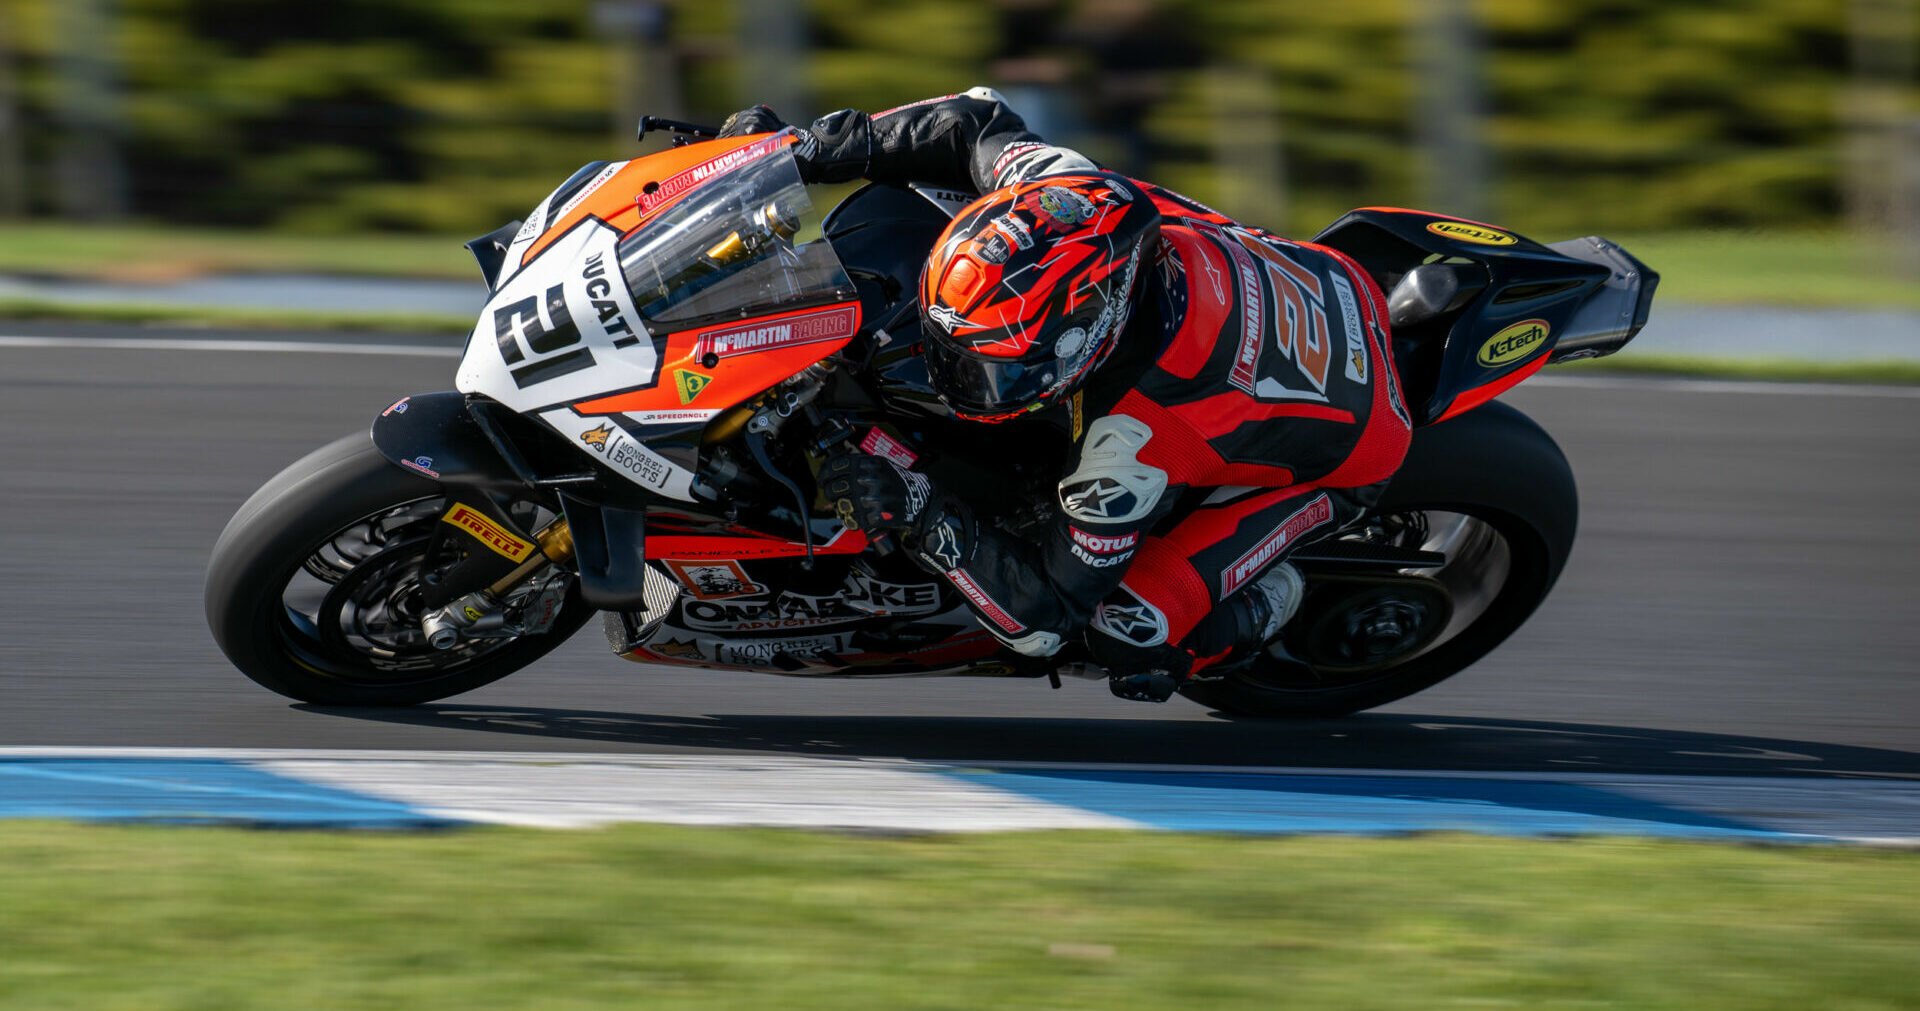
<point>345,524</point>
<point>1506,497</point>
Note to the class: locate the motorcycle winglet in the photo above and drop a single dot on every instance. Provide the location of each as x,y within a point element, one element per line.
<point>437,435</point>
<point>609,545</point>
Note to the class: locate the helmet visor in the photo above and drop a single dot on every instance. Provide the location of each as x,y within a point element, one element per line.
<point>973,384</point>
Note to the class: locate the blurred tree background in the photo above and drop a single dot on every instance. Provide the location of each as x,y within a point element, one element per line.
<point>1554,116</point>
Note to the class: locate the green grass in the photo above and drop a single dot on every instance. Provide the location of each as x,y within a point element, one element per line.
<point>1769,268</point>
<point>672,918</point>
<point>234,318</point>
<point>155,253</point>
<point>1775,268</point>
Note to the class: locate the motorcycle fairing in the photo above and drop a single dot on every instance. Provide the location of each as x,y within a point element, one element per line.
<point>619,340</point>
<point>561,330</point>
<point>716,367</point>
<point>1515,293</point>
<point>854,622</point>
<point>637,190</point>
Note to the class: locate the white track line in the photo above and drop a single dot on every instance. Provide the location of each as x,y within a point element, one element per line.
<point>566,790</point>
<point>177,344</point>
<point>1745,386</point>
<point>1709,386</point>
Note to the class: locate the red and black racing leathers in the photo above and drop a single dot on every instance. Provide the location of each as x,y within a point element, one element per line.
<point>1252,406</point>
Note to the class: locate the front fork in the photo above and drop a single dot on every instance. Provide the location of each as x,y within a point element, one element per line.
<point>481,614</point>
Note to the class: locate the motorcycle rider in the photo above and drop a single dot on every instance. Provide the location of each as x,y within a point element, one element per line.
<point>1231,394</point>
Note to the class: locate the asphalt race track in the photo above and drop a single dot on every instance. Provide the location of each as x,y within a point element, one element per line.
<point>1740,600</point>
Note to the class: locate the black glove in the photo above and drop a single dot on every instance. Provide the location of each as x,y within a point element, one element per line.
<point>758,119</point>
<point>872,494</point>
<point>835,149</point>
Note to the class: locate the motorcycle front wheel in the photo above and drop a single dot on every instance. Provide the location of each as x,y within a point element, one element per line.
<point>313,589</point>
<point>1492,492</point>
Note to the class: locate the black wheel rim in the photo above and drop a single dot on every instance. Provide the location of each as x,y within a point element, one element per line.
<point>1357,631</point>
<point>351,609</point>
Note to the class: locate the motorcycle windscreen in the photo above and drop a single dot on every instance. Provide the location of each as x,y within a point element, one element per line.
<point>730,252</point>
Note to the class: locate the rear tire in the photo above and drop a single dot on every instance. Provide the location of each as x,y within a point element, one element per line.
<point>265,546</point>
<point>1493,464</point>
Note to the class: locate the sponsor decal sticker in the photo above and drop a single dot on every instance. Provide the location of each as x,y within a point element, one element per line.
<point>496,537</point>
<point>423,464</point>
<point>1100,551</point>
<point>1253,321</point>
<point>1064,206</point>
<point>993,248</point>
<point>1463,232</point>
<point>987,605</point>
<point>1079,413</point>
<point>686,417</point>
<point>811,328</point>
<point>714,580</point>
<point>942,545</point>
<point>1356,358</point>
<point>597,437</point>
<point>1101,544</point>
<point>1094,561</point>
<point>674,186</point>
<point>886,447</point>
<point>949,319</point>
<point>1513,343</point>
<point>791,610</point>
<point>1012,154</point>
<point>587,190</point>
<point>1213,275</point>
<point>399,407</point>
<point>869,595</point>
<point>675,649</point>
<point>1139,622</point>
<point>603,303</point>
<point>690,383</point>
<point>1015,229</point>
<point>652,469</point>
<point>1315,514</point>
<point>761,652</point>
<point>1101,498</point>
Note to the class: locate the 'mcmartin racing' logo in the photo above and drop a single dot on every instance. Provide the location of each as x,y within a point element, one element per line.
<point>810,328</point>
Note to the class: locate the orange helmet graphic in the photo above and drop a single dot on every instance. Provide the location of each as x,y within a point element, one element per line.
<point>1029,287</point>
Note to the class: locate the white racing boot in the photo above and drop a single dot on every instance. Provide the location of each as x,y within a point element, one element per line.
<point>1275,596</point>
<point>1267,605</point>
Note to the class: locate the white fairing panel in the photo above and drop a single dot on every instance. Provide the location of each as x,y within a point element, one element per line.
<point>562,330</point>
<point>605,440</point>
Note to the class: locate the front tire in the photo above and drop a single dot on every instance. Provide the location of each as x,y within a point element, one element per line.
<point>291,529</point>
<point>1493,472</point>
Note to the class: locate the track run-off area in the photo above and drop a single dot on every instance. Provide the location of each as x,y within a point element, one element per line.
<point>1738,616</point>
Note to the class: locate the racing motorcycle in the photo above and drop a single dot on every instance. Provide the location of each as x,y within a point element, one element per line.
<point>668,351</point>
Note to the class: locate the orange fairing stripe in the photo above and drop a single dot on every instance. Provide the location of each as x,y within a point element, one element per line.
<point>1481,394</point>
<point>748,356</point>
<point>618,201</point>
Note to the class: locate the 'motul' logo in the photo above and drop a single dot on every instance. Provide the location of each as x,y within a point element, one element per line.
<point>1513,343</point>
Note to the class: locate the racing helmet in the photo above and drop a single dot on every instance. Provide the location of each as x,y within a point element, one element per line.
<point>1027,290</point>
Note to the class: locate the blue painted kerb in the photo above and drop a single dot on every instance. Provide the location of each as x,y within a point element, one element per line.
<point>1367,805</point>
<point>194,791</point>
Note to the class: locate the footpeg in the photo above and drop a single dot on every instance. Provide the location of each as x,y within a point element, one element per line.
<point>1155,686</point>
